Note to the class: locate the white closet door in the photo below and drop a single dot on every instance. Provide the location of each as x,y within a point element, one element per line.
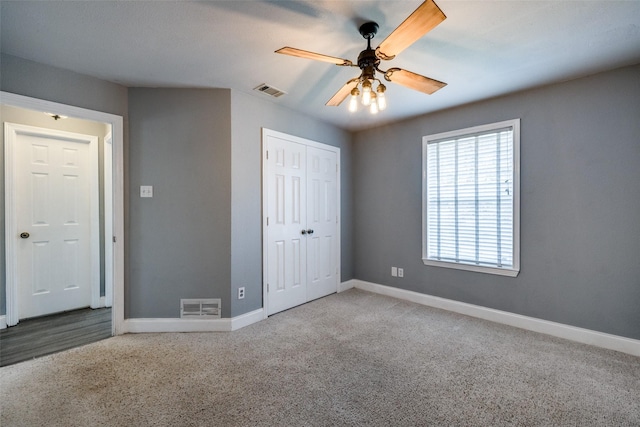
<point>286,247</point>
<point>301,225</point>
<point>322,220</point>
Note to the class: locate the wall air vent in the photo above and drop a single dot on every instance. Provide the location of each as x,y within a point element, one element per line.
<point>200,308</point>
<point>269,90</point>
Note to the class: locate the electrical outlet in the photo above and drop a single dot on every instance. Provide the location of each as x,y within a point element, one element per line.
<point>401,272</point>
<point>241,293</point>
<point>394,271</point>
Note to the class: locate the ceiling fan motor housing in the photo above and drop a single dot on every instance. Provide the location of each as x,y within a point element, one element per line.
<point>368,30</point>
<point>368,59</point>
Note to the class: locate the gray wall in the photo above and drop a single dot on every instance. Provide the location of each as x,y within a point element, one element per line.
<point>36,80</point>
<point>249,116</point>
<point>580,204</point>
<point>66,87</point>
<point>179,240</point>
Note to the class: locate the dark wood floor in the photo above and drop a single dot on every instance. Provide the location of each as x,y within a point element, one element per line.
<point>49,334</point>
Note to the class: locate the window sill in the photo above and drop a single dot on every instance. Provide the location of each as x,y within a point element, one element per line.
<point>472,267</point>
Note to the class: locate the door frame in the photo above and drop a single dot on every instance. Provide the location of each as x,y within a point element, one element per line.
<point>11,131</point>
<point>307,142</point>
<point>117,216</point>
<point>107,173</point>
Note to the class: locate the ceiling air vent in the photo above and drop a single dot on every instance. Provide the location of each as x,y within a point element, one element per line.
<point>200,308</point>
<point>269,90</point>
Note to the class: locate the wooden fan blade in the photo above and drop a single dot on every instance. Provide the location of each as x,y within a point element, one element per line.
<point>413,81</point>
<point>342,93</point>
<point>315,56</point>
<point>425,18</point>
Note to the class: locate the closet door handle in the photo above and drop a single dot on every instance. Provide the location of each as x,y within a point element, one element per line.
<point>309,231</point>
<point>304,231</point>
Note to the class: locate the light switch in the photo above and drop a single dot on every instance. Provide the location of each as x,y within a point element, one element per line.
<point>146,191</point>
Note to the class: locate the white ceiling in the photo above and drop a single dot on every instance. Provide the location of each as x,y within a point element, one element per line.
<point>483,48</point>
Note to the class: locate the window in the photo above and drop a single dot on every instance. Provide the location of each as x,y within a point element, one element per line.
<point>471,199</point>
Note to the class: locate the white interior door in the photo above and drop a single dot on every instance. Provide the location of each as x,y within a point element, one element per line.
<point>54,197</point>
<point>322,220</point>
<point>286,245</point>
<point>301,221</point>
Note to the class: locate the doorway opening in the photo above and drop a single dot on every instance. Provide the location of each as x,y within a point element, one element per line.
<point>111,268</point>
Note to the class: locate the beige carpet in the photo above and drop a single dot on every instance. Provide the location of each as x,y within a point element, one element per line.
<point>349,359</point>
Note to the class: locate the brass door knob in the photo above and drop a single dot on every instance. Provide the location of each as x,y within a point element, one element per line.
<point>24,235</point>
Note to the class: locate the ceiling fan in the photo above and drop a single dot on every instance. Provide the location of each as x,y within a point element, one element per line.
<point>426,17</point>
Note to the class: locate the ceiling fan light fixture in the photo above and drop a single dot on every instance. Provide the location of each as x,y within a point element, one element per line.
<point>366,92</point>
<point>375,100</point>
<point>373,109</point>
<point>353,102</point>
<point>382,99</point>
<point>55,116</point>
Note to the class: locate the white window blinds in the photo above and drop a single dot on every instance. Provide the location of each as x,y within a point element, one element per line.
<point>469,198</point>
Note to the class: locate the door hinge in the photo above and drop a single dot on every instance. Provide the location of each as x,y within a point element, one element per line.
<point>267,155</point>
<point>267,288</point>
<point>114,239</point>
<point>267,221</point>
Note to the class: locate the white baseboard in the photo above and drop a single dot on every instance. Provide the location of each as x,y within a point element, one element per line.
<point>137,326</point>
<point>573,333</point>
<point>3,322</point>
<point>247,319</point>
<point>100,303</point>
<point>345,286</point>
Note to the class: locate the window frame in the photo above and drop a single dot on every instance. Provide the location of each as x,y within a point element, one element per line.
<point>434,138</point>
